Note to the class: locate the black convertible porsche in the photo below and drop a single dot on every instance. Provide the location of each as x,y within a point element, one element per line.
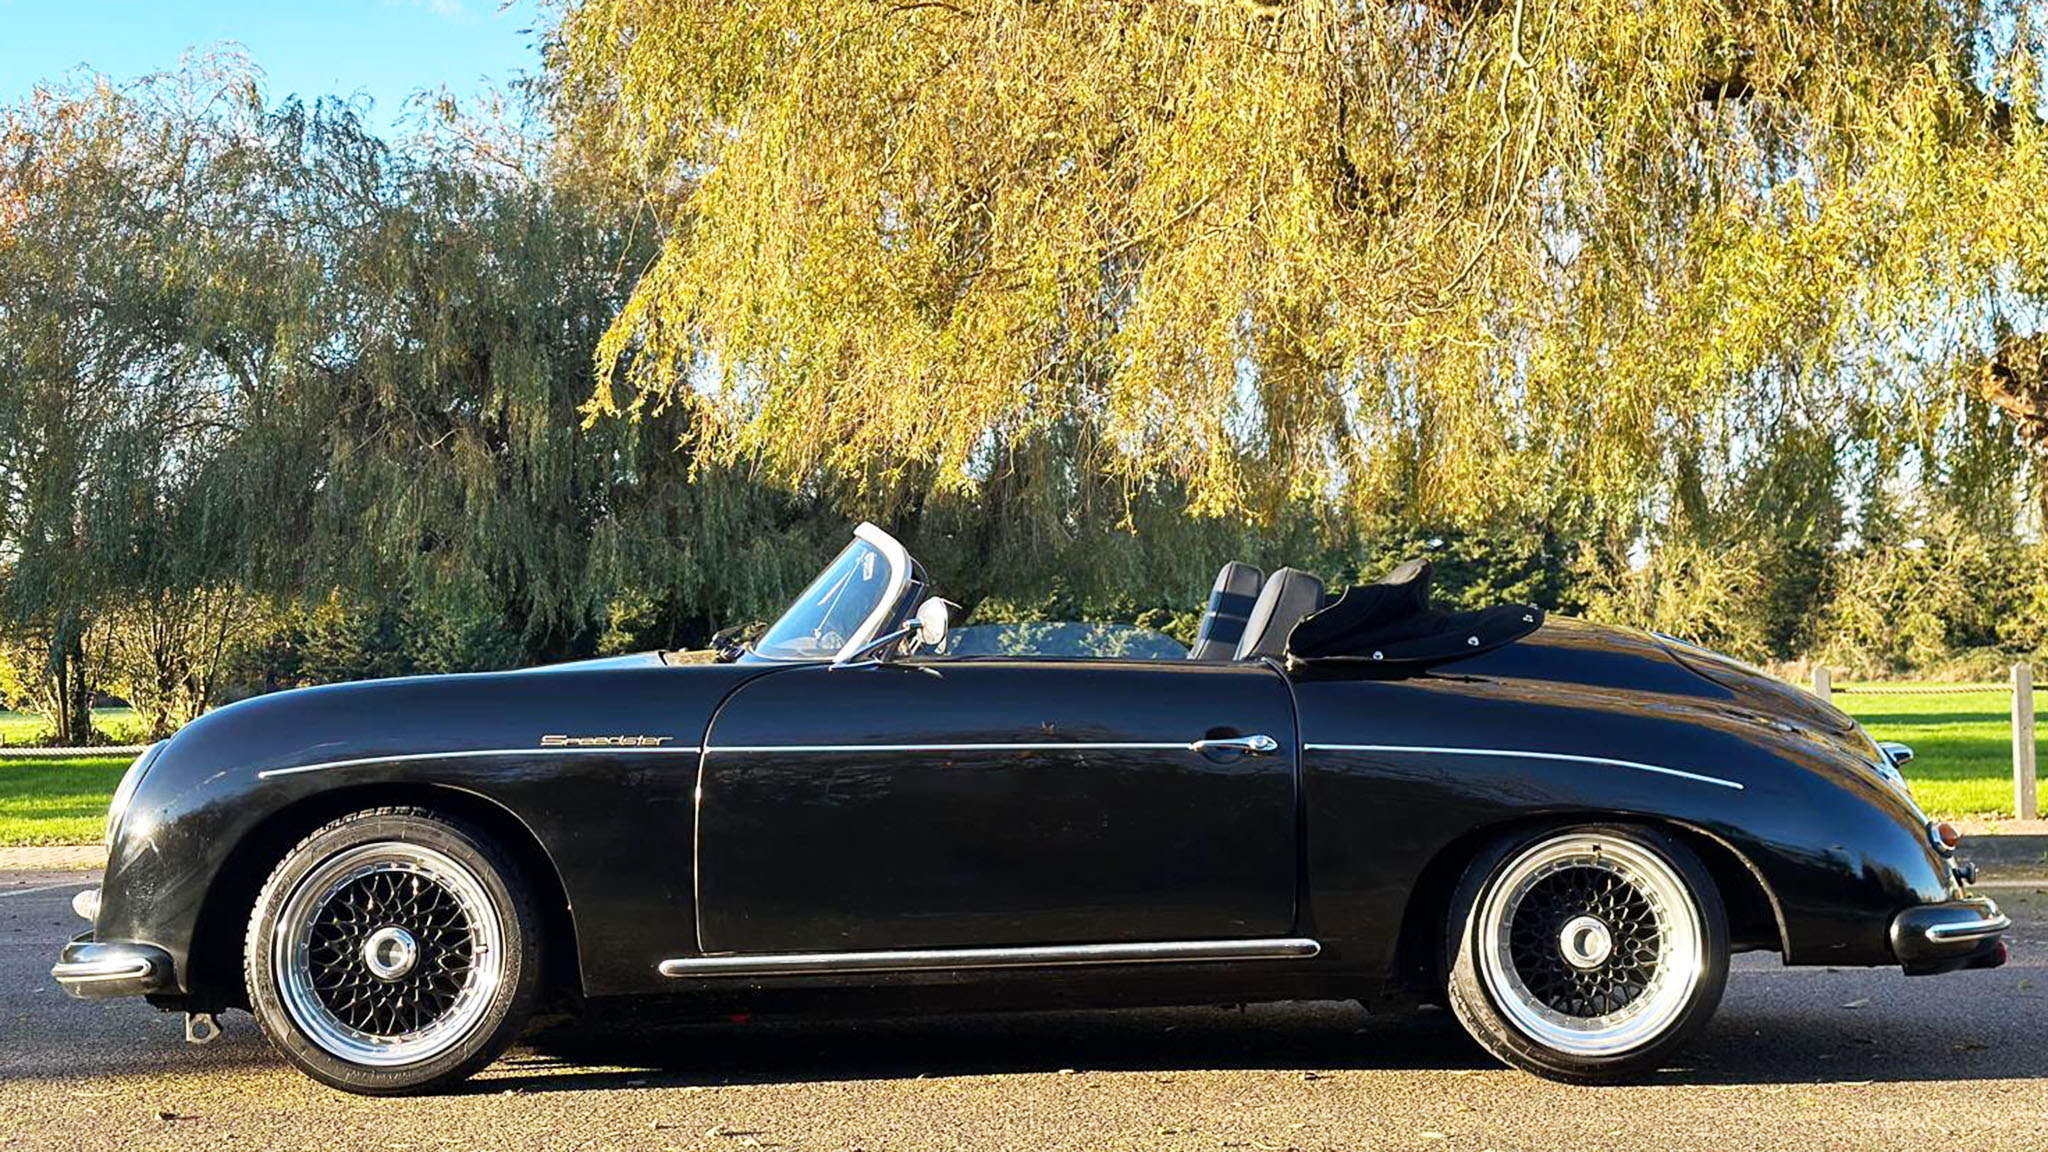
<point>1560,831</point>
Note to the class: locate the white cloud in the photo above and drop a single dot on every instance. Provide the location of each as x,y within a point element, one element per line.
<point>455,11</point>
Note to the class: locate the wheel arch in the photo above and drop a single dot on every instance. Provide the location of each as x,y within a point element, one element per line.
<point>214,968</point>
<point>1756,920</point>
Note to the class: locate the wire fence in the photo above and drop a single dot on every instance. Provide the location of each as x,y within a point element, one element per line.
<point>88,752</point>
<point>2026,784</point>
<point>1879,688</point>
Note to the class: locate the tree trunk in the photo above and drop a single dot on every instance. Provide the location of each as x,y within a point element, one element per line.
<point>79,718</point>
<point>2016,380</point>
<point>72,718</point>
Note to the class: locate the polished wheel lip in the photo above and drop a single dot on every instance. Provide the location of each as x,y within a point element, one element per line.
<point>291,941</point>
<point>1682,955</point>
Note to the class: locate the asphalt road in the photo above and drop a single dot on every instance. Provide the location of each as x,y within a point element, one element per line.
<point>1797,1059</point>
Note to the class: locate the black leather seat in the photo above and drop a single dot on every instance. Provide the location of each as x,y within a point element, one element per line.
<point>1230,605</point>
<point>1289,595</point>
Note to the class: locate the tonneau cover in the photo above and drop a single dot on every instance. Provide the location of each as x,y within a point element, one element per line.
<point>1390,625</point>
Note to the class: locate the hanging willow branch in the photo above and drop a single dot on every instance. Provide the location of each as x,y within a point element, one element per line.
<point>1437,256</point>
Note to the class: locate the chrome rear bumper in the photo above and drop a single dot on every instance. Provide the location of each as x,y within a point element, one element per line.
<point>1944,937</point>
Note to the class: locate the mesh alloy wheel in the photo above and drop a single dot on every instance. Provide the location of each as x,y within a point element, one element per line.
<point>1592,945</point>
<point>394,950</point>
<point>388,954</point>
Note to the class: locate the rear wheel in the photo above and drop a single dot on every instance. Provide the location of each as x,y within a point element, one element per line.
<point>1587,954</point>
<point>392,951</point>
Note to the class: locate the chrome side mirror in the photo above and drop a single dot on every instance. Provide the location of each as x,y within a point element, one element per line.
<point>927,628</point>
<point>934,618</point>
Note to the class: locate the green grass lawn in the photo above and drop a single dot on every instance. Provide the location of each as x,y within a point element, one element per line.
<point>116,723</point>
<point>56,801</point>
<point>1962,746</point>
<point>16,728</point>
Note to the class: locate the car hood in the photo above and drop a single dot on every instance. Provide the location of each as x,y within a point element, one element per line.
<point>1766,693</point>
<point>1793,710</point>
<point>469,714</point>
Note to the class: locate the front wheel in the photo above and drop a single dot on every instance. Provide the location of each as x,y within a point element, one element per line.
<point>392,951</point>
<point>1587,954</point>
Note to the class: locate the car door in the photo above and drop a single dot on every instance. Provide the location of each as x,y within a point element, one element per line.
<point>997,802</point>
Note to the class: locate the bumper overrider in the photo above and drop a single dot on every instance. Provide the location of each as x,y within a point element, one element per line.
<point>91,970</point>
<point>1950,936</point>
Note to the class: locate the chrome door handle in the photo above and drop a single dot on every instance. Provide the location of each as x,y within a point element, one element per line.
<point>1259,745</point>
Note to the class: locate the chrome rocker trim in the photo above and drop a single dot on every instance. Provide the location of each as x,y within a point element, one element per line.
<point>924,959</point>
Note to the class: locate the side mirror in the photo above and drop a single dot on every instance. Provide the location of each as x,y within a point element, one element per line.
<point>934,617</point>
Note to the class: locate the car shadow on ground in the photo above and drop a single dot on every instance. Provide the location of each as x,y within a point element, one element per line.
<point>1777,1026</point>
<point>1307,1038</point>
<point>1741,1048</point>
<point>1746,1046</point>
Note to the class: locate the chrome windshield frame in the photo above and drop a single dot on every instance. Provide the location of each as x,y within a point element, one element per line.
<point>898,559</point>
<point>901,578</point>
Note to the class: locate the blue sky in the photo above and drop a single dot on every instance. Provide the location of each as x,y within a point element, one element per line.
<point>382,49</point>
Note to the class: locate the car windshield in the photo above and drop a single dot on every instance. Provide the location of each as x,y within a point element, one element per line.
<point>851,590</point>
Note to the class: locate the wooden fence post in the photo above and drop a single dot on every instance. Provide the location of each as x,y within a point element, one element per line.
<point>1823,682</point>
<point>2025,785</point>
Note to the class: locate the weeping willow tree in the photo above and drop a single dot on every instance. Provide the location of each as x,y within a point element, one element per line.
<point>107,411</point>
<point>1439,259</point>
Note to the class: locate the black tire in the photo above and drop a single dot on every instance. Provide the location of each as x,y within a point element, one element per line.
<point>386,980</point>
<point>1579,1015</point>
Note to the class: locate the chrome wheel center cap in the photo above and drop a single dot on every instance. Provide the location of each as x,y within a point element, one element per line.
<point>390,953</point>
<point>1586,942</point>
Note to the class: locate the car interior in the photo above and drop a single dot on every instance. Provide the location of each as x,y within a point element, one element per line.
<point>1365,620</point>
<point>1249,614</point>
<point>1289,595</point>
<point>1230,605</point>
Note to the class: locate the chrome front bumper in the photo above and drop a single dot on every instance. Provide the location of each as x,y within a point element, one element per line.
<point>1945,937</point>
<point>91,970</point>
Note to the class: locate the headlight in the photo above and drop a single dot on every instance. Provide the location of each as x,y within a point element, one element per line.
<point>125,791</point>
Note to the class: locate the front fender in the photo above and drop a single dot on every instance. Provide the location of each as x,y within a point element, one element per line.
<point>230,793</point>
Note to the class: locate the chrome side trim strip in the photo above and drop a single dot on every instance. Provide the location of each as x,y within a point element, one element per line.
<point>110,968</point>
<point>922,959</point>
<point>478,753</point>
<point>1522,754</point>
<point>1965,930</point>
<point>1034,746</point>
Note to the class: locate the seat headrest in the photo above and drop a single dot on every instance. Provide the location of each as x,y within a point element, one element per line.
<point>1230,605</point>
<point>1289,595</point>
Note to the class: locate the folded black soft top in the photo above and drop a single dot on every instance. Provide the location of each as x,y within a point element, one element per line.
<point>1390,624</point>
